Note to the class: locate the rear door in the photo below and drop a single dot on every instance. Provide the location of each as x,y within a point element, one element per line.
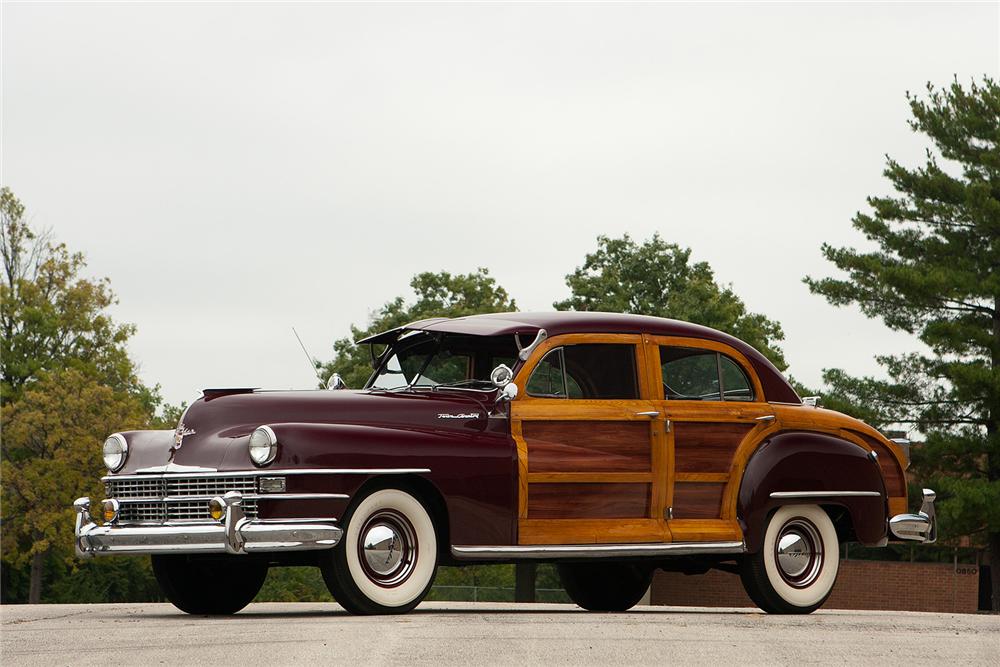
<point>714,405</point>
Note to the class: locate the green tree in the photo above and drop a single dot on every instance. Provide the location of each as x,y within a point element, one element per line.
<point>935,272</point>
<point>66,383</point>
<point>438,295</point>
<point>53,318</point>
<point>658,278</point>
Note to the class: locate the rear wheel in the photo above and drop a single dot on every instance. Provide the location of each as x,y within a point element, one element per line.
<point>605,586</point>
<point>387,559</point>
<point>795,570</point>
<point>217,586</point>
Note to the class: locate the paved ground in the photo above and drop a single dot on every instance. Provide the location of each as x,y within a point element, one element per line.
<point>485,633</point>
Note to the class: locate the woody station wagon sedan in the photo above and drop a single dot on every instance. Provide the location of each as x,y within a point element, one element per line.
<point>610,445</point>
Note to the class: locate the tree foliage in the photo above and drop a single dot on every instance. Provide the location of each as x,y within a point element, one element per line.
<point>67,382</point>
<point>658,278</point>
<point>932,268</point>
<point>438,295</point>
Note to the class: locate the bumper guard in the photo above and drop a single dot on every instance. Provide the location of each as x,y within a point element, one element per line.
<point>235,534</point>
<point>920,527</point>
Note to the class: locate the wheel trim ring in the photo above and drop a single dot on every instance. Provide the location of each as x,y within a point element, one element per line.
<point>401,527</point>
<point>788,559</point>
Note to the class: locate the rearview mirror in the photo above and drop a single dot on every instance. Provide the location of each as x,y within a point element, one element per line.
<point>501,375</point>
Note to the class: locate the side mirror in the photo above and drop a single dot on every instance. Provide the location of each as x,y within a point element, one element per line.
<point>336,382</point>
<point>508,393</point>
<point>501,376</point>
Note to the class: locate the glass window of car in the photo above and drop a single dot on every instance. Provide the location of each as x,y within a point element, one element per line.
<point>693,374</point>
<point>735,383</point>
<point>592,371</point>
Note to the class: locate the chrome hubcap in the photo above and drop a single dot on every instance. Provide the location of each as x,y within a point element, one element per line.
<point>799,552</point>
<point>388,548</point>
<point>383,549</point>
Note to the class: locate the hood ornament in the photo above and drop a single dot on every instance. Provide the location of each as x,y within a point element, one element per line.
<point>180,433</point>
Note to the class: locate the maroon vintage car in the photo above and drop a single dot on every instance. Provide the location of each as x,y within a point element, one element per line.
<point>608,444</point>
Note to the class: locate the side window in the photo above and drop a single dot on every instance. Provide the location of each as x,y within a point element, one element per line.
<point>547,379</point>
<point>595,371</point>
<point>689,374</point>
<point>735,383</point>
<point>692,374</point>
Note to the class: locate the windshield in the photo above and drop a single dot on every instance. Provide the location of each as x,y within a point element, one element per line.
<point>425,360</point>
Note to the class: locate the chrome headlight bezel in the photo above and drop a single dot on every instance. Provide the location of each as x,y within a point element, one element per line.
<point>264,442</point>
<point>115,452</point>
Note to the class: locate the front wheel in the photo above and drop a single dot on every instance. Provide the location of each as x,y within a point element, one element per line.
<point>795,570</point>
<point>386,561</point>
<point>216,586</point>
<point>605,586</point>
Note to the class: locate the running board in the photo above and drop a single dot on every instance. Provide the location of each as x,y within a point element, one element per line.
<point>556,551</point>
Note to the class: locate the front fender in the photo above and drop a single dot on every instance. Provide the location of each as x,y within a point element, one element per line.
<point>804,462</point>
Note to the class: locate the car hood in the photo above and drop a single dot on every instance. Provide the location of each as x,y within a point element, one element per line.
<point>214,430</point>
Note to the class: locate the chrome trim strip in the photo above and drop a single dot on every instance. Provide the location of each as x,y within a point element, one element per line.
<point>175,468</point>
<point>825,494</point>
<point>551,551</point>
<point>264,471</point>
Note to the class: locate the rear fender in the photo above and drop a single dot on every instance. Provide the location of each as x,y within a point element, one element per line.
<point>806,462</point>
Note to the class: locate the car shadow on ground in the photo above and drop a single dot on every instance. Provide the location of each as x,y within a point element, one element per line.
<point>335,611</point>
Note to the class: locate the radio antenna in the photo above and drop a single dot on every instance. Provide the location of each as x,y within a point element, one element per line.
<point>312,363</point>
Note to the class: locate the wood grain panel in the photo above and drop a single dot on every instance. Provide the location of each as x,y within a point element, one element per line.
<point>705,530</point>
<point>587,446</point>
<point>590,531</point>
<point>892,473</point>
<point>587,501</point>
<point>706,447</point>
<point>698,500</point>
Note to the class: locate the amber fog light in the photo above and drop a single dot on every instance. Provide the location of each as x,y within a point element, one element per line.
<point>109,510</point>
<point>217,509</point>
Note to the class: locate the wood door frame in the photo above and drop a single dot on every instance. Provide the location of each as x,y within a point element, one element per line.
<point>652,528</point>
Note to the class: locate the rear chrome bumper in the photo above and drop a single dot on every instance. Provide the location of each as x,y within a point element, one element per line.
<point>236,534</point>
<point>919,527</point>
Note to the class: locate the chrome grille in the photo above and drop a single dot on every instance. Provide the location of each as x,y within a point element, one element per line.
<point>176,498</point>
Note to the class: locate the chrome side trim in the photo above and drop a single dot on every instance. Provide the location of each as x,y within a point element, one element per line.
<point>555,551</point>
<point>304,471</point>
<point>825,494</point>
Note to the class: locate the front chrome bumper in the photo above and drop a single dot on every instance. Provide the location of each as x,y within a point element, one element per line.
<point>236,534</point>
<point>920,527</point>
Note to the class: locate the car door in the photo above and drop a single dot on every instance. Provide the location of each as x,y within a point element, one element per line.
<point>590,447</point>
<point>715,411</point>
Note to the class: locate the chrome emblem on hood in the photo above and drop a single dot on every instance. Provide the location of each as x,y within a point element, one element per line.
<point>179,434</point>
<point>462,415</point>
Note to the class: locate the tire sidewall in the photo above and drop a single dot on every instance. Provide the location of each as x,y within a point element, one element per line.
<point>813,595</point>
<point>408,593</point>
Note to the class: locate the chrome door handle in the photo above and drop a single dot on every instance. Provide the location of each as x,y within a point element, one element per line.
<point>648,413</point>
<point>765,418</point>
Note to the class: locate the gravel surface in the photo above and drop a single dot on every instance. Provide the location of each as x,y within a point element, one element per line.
<point>486,633</point>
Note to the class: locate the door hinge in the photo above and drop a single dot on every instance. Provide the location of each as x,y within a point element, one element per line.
<point>668,513</point>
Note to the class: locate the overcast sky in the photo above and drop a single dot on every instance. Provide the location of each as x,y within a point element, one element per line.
<point>237,169</point>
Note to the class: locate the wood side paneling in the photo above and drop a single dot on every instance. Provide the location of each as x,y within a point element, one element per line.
<point>589,531</point>
<point>706,447</point>
<point>705,530</point>
<point>892,473</point>
<point>587,501</point>
<point>698,500</point>
<point>587,446</point>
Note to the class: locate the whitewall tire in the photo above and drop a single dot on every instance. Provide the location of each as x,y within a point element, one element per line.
<point>387,559</point>
<point>796,567</point>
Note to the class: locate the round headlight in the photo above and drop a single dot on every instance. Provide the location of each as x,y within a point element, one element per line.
<point>115,452</point>
<point>263,445</point>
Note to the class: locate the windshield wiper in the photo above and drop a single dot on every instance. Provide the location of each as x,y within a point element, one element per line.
<point>462,383</point>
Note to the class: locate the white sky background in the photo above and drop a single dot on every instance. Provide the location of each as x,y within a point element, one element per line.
<point>237,169</point>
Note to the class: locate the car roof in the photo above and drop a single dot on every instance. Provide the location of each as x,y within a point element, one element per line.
<point>776,387</point>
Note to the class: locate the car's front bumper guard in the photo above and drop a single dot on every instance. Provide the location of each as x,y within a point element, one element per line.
<point>235,534</point>
<point>922,526</point>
